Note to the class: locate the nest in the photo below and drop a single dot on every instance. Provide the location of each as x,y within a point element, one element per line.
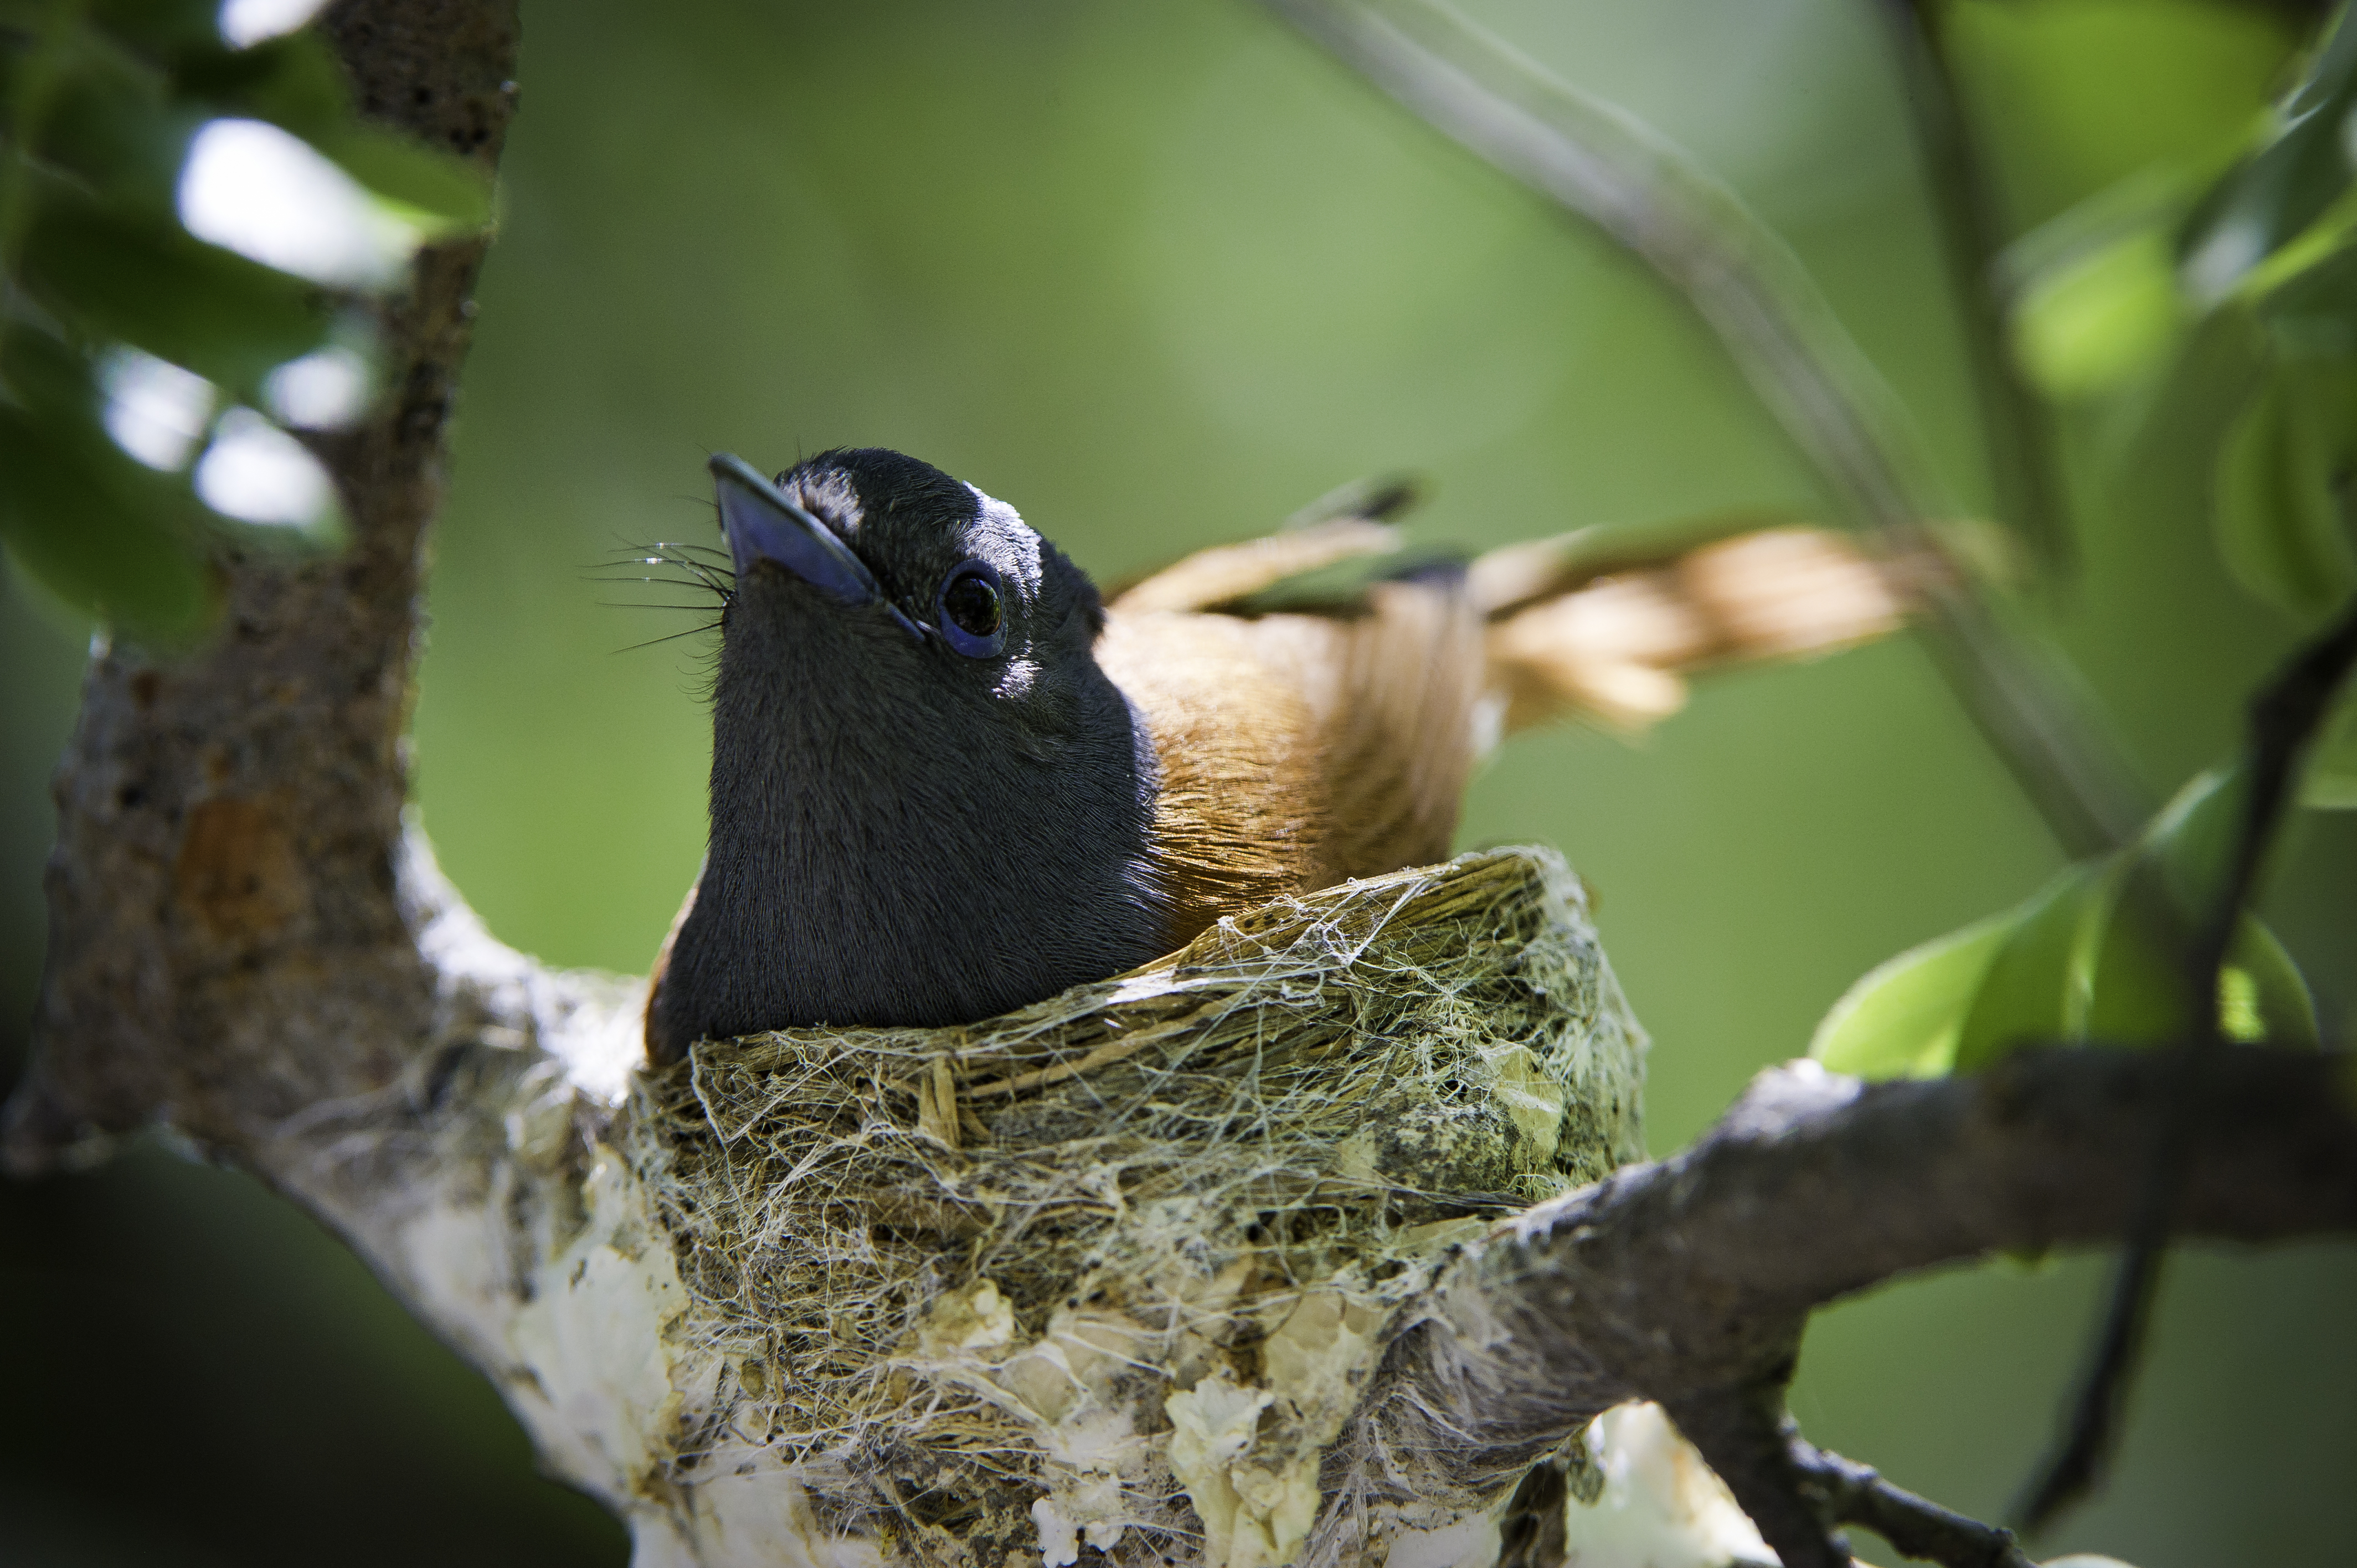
<point>1111,1272</point>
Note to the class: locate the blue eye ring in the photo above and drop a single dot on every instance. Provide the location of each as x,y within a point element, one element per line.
<point>970,611</point>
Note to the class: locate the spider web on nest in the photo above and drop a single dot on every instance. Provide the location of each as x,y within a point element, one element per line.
<point>1113,1269</point>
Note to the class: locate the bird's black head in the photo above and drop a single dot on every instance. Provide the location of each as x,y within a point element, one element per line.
<point>928,804</point>
<point>868,542</point>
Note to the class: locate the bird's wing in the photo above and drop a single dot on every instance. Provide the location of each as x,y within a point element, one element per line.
<point>1318,698</point>
<point>1395,692</point>
<point>1617,645</point>
<point>1601,623</point>
<point>1226,574</point>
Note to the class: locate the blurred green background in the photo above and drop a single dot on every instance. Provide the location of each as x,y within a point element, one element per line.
<point>1157,273</point>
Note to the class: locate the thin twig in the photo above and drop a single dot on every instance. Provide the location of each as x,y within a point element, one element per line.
<point>1851,1493</point>
<point>1798,1494</point>
<point>1748,1440</point>
<point>2020,448</point>
<point>2284,718</point>
<point>1603,166</point>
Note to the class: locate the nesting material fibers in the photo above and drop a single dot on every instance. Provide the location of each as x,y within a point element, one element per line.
<point>1111,1272</point>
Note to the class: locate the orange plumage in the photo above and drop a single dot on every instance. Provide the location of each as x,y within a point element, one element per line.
<point>1302,749</point>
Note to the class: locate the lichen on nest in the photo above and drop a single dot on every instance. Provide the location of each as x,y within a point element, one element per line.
<point>1113,1269</point>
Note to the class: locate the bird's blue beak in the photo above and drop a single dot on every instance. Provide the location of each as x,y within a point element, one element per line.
<point>763,525</point>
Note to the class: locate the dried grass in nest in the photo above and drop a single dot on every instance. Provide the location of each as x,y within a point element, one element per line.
<point>1052,1279</point>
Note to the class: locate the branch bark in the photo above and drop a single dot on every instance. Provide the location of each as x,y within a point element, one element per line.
<point>1691,1276</point>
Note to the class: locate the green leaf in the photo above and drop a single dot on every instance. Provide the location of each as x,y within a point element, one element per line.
<point>2296,177</point>
<point>145,281</point>
<point>2098,953</point>
<point>2313,315</point>
<point>2331,783</point>
<point>2190,843</point>
<point>2262,997</point>
<point>111,123</point>
<point>2177,871</point>
<point>49,378</point>
<point>159,27</point>
<point>107,95</point>
<point>294,84</point>
<point>2136,987</point>
<point>2162,445</point>
<point>2095,320</point>
<point>435,191</point>
<point>2038,985</point>
<point>99,530</point>
<point>2138,994</point>
<point>2282,471</point>
<point>1902,1019</point>
<point>291,81</point>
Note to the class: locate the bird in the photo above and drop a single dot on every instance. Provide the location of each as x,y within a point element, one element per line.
<point>951,777</point>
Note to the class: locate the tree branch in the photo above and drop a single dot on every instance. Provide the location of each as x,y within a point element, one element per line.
<point>2020,448</point>
<point>228,941</point>
<point>1681,1279</point>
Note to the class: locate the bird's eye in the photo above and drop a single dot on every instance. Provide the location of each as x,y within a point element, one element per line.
<point>972,612</point>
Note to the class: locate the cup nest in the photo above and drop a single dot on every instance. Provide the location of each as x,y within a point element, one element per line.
<point>1111,1272</point>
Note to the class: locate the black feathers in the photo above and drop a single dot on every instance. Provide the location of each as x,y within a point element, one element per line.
<point>905,831</point>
